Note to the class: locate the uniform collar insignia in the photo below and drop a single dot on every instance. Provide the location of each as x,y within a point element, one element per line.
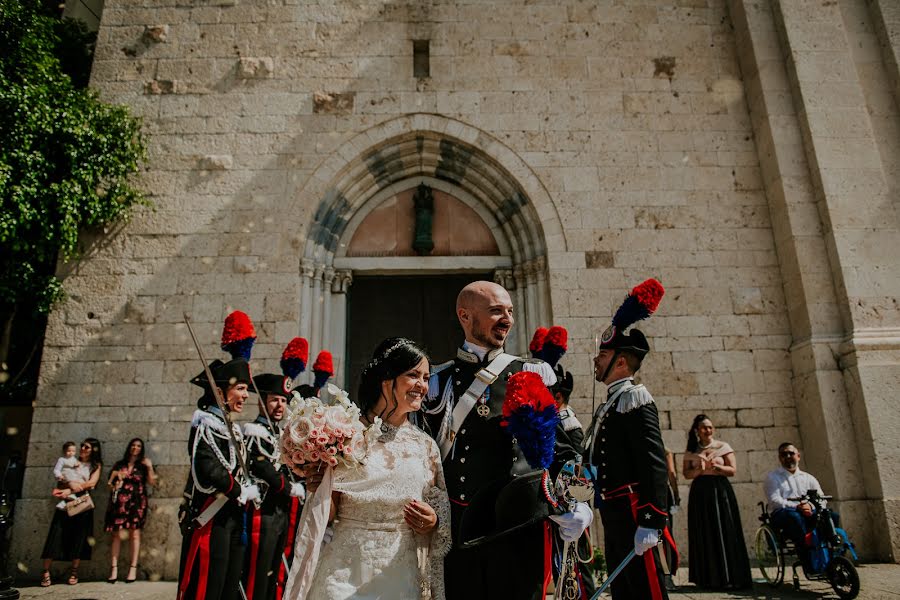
<point>471,357</point>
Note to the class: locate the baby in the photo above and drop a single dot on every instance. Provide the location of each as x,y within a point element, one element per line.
<point>67,461</point>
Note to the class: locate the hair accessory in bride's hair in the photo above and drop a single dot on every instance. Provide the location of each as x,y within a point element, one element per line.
<point>387,352</point>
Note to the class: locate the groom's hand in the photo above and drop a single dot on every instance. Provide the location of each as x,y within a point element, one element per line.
<point>572,524</point>
<point>420,516</point>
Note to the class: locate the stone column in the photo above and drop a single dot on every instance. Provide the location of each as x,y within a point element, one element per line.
<point>504,277</point>
<point>523,335</point>
<point>306,273</point>
<point>543,300</point>
<point>532,312</point>
<point>339,287</point>
<point>315,340</point>
<point>325,329</point>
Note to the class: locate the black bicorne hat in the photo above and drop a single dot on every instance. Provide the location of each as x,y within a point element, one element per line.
<point>236,370</point>
<point>565,383</point>
<point>505,506</point>
<point>634,341</point>
<point>271,383</point>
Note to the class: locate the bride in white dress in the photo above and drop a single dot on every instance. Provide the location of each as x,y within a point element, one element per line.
<point>392,516</point>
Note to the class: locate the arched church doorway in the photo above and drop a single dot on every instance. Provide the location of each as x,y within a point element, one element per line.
<point>399,231</point>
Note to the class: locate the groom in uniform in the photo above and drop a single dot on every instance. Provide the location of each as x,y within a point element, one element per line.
<point>505,555</point>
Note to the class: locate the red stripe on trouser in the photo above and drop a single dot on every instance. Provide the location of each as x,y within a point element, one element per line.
<point>649,561</point>
<point>288,547</point>
<point>548,558</point>
<point>199,545</point>
<point>255,521</point>
<point>671,540</point>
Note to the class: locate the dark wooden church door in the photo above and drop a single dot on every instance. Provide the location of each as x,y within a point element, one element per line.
<point>420,307</point>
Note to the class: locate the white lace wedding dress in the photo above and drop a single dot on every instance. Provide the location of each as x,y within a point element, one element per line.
<point>374,554</point>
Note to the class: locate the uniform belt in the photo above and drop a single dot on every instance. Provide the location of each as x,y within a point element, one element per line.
<point>625,490</point>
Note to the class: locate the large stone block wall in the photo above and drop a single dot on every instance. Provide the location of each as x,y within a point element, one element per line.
<point>662,149</point>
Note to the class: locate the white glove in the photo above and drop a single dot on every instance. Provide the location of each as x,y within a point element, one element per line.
<point>298,491</point>
<point>249,493</point>
<point>673,510</point>
<point>645,539</point>
<point>572,524</point>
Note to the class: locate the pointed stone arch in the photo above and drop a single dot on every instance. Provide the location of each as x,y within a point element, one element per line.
<point>448,155</point>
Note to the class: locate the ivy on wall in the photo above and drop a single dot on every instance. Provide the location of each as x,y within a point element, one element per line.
<point>67,160</point>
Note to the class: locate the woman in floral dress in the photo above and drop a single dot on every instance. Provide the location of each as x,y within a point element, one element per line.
<point>127,508</point>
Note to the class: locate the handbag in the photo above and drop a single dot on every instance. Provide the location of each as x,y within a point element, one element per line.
<point>79,505</point>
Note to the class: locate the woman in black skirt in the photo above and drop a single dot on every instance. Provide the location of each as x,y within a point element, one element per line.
<point>718,558</point>
<point>70,538</point>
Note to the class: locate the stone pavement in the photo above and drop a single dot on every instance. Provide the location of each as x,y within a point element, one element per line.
<point>878,582</point>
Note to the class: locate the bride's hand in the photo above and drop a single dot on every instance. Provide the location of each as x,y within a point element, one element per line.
<point>420,516</point>
<point>312,476</point>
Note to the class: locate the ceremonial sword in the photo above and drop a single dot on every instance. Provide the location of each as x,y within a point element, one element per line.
<point>614,574</point>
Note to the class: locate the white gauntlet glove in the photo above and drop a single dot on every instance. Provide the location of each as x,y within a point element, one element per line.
<point>572,524</point>
<point>645,539</point>
<point>298,491</point>
<point>249,493</point>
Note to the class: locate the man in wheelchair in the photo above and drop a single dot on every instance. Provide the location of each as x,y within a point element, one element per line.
<point>791,518</point>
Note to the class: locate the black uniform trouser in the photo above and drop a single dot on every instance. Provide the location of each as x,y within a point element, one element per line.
<point>272,534</point>
<point>643,578</point>
<point>226,557</point>
<point>509,567</point>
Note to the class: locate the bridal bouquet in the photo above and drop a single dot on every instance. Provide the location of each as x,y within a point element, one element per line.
<point>317,431</point>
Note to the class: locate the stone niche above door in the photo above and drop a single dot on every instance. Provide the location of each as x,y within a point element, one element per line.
<point>389,229</point>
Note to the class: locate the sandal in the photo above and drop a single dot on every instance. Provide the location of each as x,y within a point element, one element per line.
<point>45,579</point>
<point>113,574</point>
<point>73,577</point>
<point>131,569</point>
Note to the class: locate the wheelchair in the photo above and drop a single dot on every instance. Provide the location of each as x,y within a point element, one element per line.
<point>829,551</point>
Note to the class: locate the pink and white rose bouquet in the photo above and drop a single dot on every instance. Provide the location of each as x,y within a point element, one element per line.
<point>326,431</point>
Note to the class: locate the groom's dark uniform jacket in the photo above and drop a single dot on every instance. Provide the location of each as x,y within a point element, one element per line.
<point>498,530</point>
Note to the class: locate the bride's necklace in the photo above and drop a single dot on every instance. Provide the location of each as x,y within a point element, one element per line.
<point>388,431</point>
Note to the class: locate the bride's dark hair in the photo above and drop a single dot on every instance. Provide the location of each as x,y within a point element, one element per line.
<point>393,357</point>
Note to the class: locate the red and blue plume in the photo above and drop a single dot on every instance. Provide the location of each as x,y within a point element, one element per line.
<point>555,345</point>
<point>295,357</point>
<point>530,416</point>
<point>238,335</point>
<point>639,304</point>
<point>323,369</point>
<point>537,341</point>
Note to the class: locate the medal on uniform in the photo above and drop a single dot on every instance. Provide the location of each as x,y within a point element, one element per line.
<point>483,409</point>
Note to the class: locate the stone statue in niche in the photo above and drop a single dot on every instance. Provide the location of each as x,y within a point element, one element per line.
<point>423,202</point>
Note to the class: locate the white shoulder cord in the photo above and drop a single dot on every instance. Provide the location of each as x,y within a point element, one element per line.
<point>209,435</point>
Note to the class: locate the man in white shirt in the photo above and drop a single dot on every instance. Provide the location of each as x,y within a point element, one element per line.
<point>791,516</point>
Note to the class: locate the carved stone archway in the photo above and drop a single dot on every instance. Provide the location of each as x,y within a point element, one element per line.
<point>447,163</point>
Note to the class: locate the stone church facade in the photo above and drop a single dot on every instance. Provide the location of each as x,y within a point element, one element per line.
<point>744,152</point>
